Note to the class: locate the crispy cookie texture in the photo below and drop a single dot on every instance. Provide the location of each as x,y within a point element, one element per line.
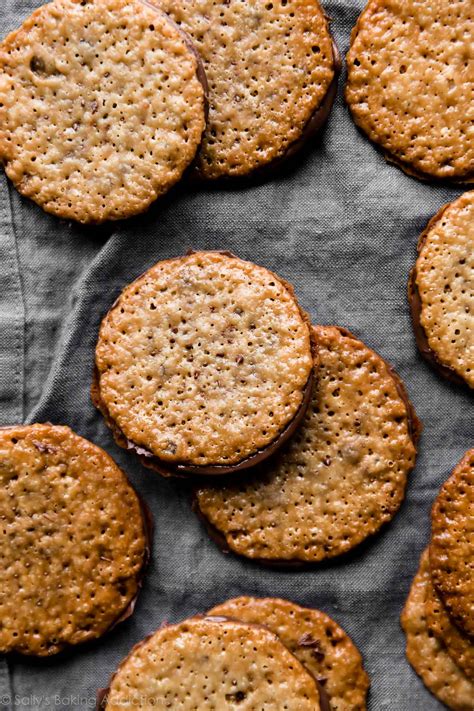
<point>316,640</point>
<point>426,654</point>
<point>458,645</point>
<point>204,360</point>
<point>74,541</point>
<point>341,476</point>
<point>452,544</point>
<point>441,291</point>
<point>101,107</point>
<point>410,85</point>
<point>212,663</point>
<point>270,68</point>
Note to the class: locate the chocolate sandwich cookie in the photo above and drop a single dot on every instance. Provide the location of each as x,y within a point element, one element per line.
<point>410,86</point>
<point>427,654</point>
<point>204,365</point>
<point>459,646</point>
<point>441,291</point>
<point>272,70</point>
<point>74,540</point>
<point>211,663</point>
<point>342,475</point>
<point>102,107</point>
<point>318,642</point>
<point>452,544</point>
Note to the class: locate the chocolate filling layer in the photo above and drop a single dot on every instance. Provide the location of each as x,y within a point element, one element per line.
<point>414,427</point>
<point>414,300</point>
<point>468,179</point>
<point>183,470</point>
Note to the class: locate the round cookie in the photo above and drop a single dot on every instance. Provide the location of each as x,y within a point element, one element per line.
<point>458,645</point>
<point>74,540</point>
<point>452,544</point>
<point>341,476</point>
<point>212,663</point>
<point>101,107</point>
<point>441,291</point>
<point>272,71</point>
<point>317,642</point>
<point>409,85</point>
<point>204,364</point>
<point>427,654</point>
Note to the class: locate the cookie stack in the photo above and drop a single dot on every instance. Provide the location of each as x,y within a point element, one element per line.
<point>247,652</point>
<point>104,104</point>
<point>206,365</point>
<point>102,107</point>
<point>438,617</point>
<point>272,71</point>
<point>441,289</point>
<point>339,479</point>
<point>75,541</point>
<point>409,85</point>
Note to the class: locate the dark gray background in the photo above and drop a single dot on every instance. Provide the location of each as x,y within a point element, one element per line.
<point>342,226</point>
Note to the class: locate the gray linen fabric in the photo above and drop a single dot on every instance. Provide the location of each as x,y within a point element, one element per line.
<point>341,225</point>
